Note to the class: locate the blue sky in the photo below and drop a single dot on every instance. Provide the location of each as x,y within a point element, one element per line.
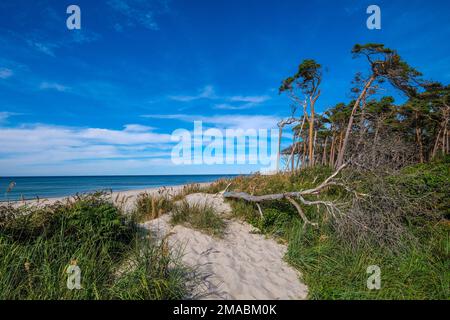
<point>105,99</point>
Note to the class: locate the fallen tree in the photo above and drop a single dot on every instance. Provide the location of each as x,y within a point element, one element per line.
<point>295,196</point>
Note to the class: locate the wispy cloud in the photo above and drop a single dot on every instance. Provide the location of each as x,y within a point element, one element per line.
<point>137,128</point>
<point>4,115</point>
<point>138,13</point>
<point>226,106</point>
<point>5,73</point>
<point>237,102</point>
<point>242,102</point>
<point>235,121</point>
<point>118,27</point>
<point>53,86</point>
<point>47,49</point>
<point>42,137</point>
<point>250,99</point>
<point>206,93</point>
<point>355,8</point>
<point>82,36</point>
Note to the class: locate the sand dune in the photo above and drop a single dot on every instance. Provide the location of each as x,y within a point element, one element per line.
<point>242,265</point>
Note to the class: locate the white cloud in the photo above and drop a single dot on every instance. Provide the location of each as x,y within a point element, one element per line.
<point>53,86</point>
<point>206,93</point>
<point>238,102</point>
<point>48,47</point>
<point>250,99</point>
<point>125,137</point>
<point>138,12</point>
<point>226,106</point>
<point>82,36</point>
<point>41,149</point>
<point>137,128</point>
<point>5,73</point>
<point>44,48</point>
<point>118,27</point>
<point>44,144</point>
<point>4,115</point>
<point>225,121</point>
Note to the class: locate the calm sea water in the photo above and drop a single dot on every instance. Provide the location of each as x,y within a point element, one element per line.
<point>50,187</point>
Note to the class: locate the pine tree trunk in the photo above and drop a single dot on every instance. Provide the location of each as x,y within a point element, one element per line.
<point>314,148</point>
<point>312,101</point>
<point>324,156</point>
<point>294,147</point>
<point>311,135</point>
<point>419,142</point>
<point>436,144</point>
<point>331,161</point>
<point>444,138</point>
<point>447,141</point>
<point>362,128</point>
<point>341,138</point>
<point>299,155</point>
<point>304,154</point>
<point>350,121</point>
<point>280,131</point>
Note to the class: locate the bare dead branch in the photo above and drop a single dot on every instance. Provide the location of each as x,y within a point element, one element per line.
<point>300,212</point>
<point>331,207</point>
<point>260,210</point>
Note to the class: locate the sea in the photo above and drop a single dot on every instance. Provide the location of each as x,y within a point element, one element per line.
<point>52,187</point>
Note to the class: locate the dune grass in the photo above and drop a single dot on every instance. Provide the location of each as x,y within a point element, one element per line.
<point>198,216</point>
<point>152,206</point>
<point>37,244</point>
<point>334,257</point>
<point>336,271</point>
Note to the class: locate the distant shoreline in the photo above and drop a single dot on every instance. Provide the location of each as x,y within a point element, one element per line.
<point>128,175</point>
<point>33,188</point>
<point>127,196</point>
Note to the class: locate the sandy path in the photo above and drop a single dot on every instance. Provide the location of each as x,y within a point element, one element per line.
<point>242,265</point>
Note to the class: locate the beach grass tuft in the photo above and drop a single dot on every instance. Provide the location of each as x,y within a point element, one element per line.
<point>199,216</point>
<point>151,206</point>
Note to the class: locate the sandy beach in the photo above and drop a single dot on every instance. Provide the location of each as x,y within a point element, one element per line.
<point>241,265</point>
<point>125,197</point>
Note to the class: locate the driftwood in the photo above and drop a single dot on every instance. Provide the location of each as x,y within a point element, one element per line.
<point>293,196</point>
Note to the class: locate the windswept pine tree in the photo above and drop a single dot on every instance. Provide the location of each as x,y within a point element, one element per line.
<point>305,81</point>
<point>385,65</point>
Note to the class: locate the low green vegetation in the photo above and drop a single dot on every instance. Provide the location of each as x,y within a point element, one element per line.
<point>188,189</point>
<point>198,216</point>
<point>149,206</point>
<point>116,260</point>
<point>400,225</point>
<point>152,206</point>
